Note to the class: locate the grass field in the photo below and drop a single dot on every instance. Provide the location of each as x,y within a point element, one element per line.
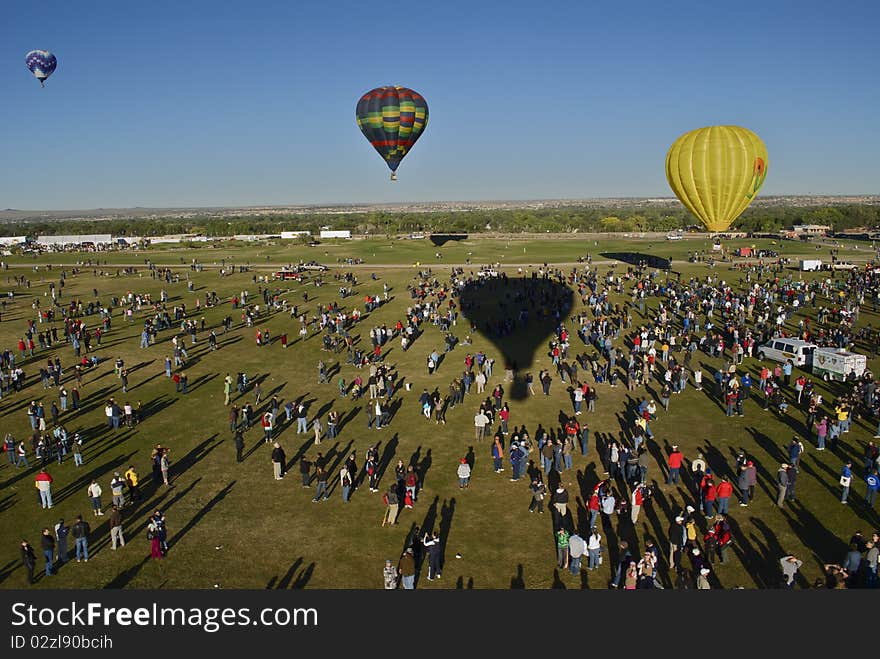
<point>232,525</point>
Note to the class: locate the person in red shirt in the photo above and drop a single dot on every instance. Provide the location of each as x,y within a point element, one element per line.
<point>594,506</point>
<point>723,492</point>
<point>723,538</point>
<point>708,490</point>
<point>43,483</point>
<point>674,463</point>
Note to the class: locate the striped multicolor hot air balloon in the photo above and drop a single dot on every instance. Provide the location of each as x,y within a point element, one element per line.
<point>716,172</point>
<point>392,118</point>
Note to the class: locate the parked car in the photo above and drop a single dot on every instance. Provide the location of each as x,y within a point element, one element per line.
<point>782,349</point>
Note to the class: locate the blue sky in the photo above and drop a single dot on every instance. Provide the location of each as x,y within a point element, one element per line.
<point>205,103</point>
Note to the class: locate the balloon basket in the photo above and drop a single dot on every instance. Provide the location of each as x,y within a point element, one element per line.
<point>393,176</point>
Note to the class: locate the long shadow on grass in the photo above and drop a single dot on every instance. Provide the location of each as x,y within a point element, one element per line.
<point>7,570</point>
<point>388,454</point>
<point>291,579</point>
<point>764,564</point>
<point>196,454</point>
<point>517,581</point>
<point>125,577</point>
<point>825,545</point>
<point>208,507</point>
<point>80,484</point>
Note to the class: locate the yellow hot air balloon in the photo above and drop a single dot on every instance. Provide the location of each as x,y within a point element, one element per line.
<point>716,171</point>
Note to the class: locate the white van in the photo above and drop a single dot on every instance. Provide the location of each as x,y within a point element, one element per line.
<point>782,349</point>
<point>837,364</point>
<point>811,265</point>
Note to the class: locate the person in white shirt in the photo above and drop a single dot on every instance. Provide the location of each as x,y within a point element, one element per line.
<point>464,474</point>
<point>94,491</point>
<point>594,547</point>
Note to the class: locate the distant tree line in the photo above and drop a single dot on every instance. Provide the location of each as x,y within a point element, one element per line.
<point>556,220</point>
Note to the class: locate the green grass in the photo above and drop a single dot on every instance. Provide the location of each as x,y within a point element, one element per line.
<point>525,249</point>
<point>232,524</point>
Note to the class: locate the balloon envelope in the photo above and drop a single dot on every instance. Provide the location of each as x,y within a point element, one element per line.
<point>716,171</point>
<point>41,63</point>
<point>392,119</point>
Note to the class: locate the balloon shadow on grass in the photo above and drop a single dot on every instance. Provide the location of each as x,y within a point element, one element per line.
<point>517,315</point>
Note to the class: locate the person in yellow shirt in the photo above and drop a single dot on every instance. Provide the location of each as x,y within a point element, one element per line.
<point>132,479</point>
<point>842,410</point>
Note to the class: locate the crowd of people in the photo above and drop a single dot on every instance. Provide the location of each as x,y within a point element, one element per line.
<point>655,345</point>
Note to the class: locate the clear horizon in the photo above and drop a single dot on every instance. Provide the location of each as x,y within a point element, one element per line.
<point>331,204</point>
<point>195,105</point>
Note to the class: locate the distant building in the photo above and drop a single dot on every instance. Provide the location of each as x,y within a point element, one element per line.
<point>812,229</point>
<point>336,234</point>
<point>176,238</point>
<point>12,241</point>
<point>250,237</point>
<point>64,241</point>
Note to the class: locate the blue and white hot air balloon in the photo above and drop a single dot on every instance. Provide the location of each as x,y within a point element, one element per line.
<point>41,63</point>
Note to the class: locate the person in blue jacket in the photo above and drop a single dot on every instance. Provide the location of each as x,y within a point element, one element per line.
<point>873,482</point>
<point>845,480</point>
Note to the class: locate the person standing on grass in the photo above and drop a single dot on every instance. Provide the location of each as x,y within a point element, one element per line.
<point>345,480</point>
<point>594,548</point>
<point>781,484</point>
<point>164,466</point>
<point>391,506</point>
<point>47,542</point>
<point>674,462</point>
<point>497,454</point>
<point>153,538</point>
<point>411,482</point>
<point>872,480</point>
<point>722,494</point>
<point>94,492</point>
<point>636,500</point>
<point>61,533</point>
<point>302,420</point>
<point>158,518</point>
<point>305,471</point>
<point>821,433</point>
<point>29,560</point>
<point>742,482</point>
<point>117,489</point>
<point>238,441</point>
<point>464,474</point>
<point>390,575</point>
<point>431,542</point>
<point>677,541</point>
<point>318,429</point>
<point>227,389</point>
<point>539,491</point>
<point>321,490</point>
<point>562,538</point>
<point>116,528</point>
<point>871,560</point>
<point>266,422</point>
<point>845,480</point>
<point>278,461</point>
<point>407,569</point>
<point>790,566</point>
<point>480,423</point>
<point>80,533</point>
<point>132,479</point>
<point>577,547</point>
<point>624,562</point>
<point>43,482</point>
